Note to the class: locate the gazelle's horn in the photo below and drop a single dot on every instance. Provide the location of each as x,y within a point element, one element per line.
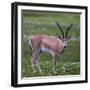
<point>60,28</point>
<point>68,30</point>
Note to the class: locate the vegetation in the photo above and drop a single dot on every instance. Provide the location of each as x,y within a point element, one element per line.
<point>44,23</point>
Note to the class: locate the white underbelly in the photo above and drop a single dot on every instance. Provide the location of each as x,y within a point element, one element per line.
<point>44,49</point>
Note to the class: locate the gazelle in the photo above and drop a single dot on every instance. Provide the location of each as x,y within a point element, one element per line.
<point>51,44</point>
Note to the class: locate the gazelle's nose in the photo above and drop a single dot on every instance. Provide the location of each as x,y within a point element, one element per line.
<point>65,46</point>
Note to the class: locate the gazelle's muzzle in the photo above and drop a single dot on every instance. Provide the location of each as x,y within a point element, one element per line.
<point>65,46</point>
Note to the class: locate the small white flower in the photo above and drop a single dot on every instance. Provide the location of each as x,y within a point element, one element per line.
<point>47,62</point>
<point>27,65</point>
<point>63,69</point>
<point>57,63</point>
<point>23,71</point>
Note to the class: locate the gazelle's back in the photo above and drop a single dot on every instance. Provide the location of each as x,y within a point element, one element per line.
<point>48,42</point>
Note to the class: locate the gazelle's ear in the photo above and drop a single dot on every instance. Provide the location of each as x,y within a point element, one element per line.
<point>69,37</point>
<point>60,37</point>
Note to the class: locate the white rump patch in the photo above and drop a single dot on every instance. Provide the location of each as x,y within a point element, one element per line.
<point>30,43</point>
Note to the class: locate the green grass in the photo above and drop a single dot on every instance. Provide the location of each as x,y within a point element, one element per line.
<point>44,23</point>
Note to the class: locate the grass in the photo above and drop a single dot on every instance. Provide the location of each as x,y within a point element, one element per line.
<point>44,23</point>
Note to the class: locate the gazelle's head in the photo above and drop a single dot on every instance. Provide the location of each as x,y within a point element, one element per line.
<point>64,37</point>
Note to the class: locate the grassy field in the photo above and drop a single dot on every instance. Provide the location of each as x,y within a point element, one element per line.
<point>44,23</point>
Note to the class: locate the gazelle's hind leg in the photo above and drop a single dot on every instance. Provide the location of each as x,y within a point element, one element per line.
<point>32,56</point>
<point>33,64</point>
<point>37,63</point>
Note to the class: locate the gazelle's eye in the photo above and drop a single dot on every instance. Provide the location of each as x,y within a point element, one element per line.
<point>69,37</point>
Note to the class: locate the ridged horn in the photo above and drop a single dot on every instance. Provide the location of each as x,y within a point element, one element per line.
<point>60,28</point>
<point>68,30</point>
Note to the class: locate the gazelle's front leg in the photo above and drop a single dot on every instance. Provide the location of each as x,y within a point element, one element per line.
<point>54,62</point>
<point>54,65</point>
